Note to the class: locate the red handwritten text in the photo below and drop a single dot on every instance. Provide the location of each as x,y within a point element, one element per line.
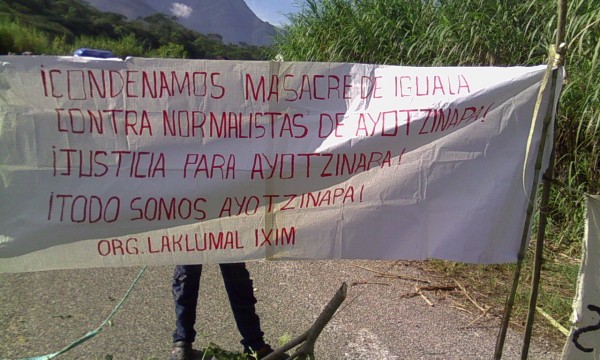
<point>431,85</point>
<point>84,84</point>
<point>99,163</point>
<point>287,166</point>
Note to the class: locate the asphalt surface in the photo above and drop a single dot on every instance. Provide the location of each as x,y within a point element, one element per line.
<point>43,312</point>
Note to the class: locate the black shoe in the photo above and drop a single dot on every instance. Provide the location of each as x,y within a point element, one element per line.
<point>183,351</point>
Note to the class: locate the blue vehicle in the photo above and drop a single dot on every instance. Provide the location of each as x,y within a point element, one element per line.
<point>103,54</point>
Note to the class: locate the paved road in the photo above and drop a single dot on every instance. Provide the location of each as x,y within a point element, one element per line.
<point>42,312</point>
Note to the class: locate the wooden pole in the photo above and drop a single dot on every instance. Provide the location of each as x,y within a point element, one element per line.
<point>538,260</point>
<point>539,248</point>
<point>548,77</point>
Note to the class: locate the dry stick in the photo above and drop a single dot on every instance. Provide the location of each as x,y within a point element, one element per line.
<point>310,337</point>
<point>480,316</point>
<point>553,321</point>
<point>419,292</point>
<point>428,288</point>
<point>423,296</point>
<point>461,309</point>
<point>437,287</point>
<point>462,288</point>
<point>402,277</point>
<point>538,164</point>
<point>364,282</point>
<point>459,306</point>
<point>398,276</point>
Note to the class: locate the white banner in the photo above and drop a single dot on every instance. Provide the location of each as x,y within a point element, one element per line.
<point>156,161</point>
<point>584,340</point>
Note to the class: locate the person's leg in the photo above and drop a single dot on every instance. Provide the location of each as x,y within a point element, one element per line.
<point>241,297</point>
<point>186,283</point>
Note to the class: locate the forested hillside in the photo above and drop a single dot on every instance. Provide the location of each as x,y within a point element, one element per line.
<point>59,27</point>
<point>232,19</point>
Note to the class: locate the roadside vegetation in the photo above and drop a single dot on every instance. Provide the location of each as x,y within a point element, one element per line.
<point>485,33</point>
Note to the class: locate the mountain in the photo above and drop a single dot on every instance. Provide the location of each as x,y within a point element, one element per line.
<point>232,19</point>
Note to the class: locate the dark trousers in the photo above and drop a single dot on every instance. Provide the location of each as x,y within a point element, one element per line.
<point>186,283</point>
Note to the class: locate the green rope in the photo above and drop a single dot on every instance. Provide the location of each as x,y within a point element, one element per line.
<point>95,332</point>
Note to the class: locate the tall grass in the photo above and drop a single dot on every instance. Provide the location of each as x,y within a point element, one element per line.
<point>480,33</point>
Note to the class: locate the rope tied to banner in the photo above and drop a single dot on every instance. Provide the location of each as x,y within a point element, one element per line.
<point>556,58</point>
<point>559,55</point>
<point>92,333</point>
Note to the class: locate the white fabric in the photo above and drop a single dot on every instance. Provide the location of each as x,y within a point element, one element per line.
<point>263,160</point>
<point>584,341</point>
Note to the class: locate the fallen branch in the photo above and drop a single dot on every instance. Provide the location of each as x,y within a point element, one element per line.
<point>420,289</point>
<point>395,276</point>
<point>368,283</point>
<point>309,338</point>
<point>437,287</point>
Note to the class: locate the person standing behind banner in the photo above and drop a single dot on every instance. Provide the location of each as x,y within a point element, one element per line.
<point>186,284</point>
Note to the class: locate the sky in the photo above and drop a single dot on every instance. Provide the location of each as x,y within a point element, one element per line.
<point>273,11</point>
